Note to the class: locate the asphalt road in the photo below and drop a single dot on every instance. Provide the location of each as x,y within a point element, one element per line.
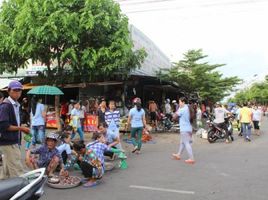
<point>222,171</point>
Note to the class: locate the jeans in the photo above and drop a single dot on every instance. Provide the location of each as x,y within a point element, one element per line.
<point>136,133</point>
<point>185,143</point>
<point>38,133</point>
<point>246,128</point>
<point>80,132</point>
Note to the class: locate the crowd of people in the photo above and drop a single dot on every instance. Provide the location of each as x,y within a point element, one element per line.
<point>59,151</point>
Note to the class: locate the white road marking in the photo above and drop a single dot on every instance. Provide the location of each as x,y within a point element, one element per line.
<point>161,189</point>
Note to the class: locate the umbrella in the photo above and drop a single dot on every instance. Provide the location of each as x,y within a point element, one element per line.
<point>49,90</point>
<point>45,90</point>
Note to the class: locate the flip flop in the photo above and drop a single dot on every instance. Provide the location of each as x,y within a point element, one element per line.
<point>135,149</point>
<point>189,161</point>
<point>90,184</point>
<point>176,156</point>
<point>84,180</point>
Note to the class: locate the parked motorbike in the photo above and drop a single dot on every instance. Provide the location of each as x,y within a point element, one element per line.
<point>29,186</point>
<point>215,132</point>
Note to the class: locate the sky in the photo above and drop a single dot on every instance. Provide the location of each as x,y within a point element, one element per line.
<point>233,32</point>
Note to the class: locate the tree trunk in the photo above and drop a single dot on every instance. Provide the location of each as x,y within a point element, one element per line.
<point>57,110</point>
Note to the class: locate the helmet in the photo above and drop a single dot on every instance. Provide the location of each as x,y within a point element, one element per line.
<point>218,103</point>
<point>53,136</point>
<point>136,100</point>
<point>174,101</point>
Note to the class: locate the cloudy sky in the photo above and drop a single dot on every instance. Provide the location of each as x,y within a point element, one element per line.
<point>234,32</point>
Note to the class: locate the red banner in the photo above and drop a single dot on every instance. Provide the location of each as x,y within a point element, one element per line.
<point>90,123</point>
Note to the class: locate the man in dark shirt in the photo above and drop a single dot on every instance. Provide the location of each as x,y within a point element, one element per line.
<point>10,132</point>
<point>49,156</point>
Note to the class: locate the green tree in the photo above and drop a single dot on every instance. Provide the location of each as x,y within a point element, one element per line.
<point>196,76</point>
<point>85,39</point>
<point>257,93</point>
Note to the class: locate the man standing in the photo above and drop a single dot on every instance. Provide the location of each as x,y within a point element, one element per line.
<point>185,131</point>
<point>256,117</point>
<point>10,132</point>
<point>168,109</point>
<point>246,121</point>
<point>220,113</point>
<point>153,113</point>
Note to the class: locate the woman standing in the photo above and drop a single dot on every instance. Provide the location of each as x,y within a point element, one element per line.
<point>38,119</point>
<point>137,120</point>
<point>75,121</point>
<point>101,112</point>
<point>185,131</point>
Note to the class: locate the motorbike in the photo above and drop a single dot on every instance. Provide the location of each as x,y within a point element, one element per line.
<point>165,124</point>
<point>215,132</point>
<point>29,186</point>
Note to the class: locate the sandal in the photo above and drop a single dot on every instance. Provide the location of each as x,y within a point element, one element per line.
<point>84,180</point>
<point>176,156</point>
<point>135,149</point>
<point>90,184</point>
<point>189,161</point>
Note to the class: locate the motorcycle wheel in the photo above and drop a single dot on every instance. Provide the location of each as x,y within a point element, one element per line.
<point>211,137</point>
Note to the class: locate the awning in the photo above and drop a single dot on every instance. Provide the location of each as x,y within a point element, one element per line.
<point>29,86</point>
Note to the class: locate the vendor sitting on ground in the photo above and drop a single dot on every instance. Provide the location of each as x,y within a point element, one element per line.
<point>91,159</point>
<point>65,148</point>
<point>112,140</point>
<point>49,156</point>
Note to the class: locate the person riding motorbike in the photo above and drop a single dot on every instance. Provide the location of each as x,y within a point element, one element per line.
<point>220,114</point>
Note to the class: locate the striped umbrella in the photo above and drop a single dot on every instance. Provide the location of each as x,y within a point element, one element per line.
<point>45,90</point>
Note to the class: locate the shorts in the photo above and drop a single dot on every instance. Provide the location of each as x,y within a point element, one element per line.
<point>153,116</point>
<point>256,125</point>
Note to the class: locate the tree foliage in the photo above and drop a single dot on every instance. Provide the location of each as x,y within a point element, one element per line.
<point>257,93</point>
<point>73,38</point>
<point>196,76</point>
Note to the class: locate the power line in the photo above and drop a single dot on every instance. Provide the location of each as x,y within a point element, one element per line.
<point>169,7</point>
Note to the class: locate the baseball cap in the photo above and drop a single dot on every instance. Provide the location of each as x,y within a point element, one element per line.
<point>15,85</point>
<point>52,136</point>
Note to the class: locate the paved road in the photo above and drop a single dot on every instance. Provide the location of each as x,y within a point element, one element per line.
<point>222,171</point>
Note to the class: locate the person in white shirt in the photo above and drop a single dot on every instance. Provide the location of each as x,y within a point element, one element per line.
<point>257,113</point>
<point>82,114</point>
<point>64,148</point>
<point>220,113</point>
<point>199,117</point>
<point>168,110</point>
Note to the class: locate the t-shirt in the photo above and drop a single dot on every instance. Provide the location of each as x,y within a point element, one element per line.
<point>245,115</point>
<point>101,116</point>
<point>184,118</point>
<point>257,115</point>
<point>45,155</point>
<point>136,117</point>
<point>99,149</point>
<point>220,114</point>
<point>237,113</point>
<point>38,119</point>
<point>112,116</point>
<point>82,112</point>
<point>199,114</point>
<point>168,108</point>
<point>75,114</point>
<point>64,147</point>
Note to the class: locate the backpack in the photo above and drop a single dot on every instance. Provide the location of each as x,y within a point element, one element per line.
<point>192,114</point>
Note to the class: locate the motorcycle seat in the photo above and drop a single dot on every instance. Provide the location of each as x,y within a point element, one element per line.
<point>10,187</point>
